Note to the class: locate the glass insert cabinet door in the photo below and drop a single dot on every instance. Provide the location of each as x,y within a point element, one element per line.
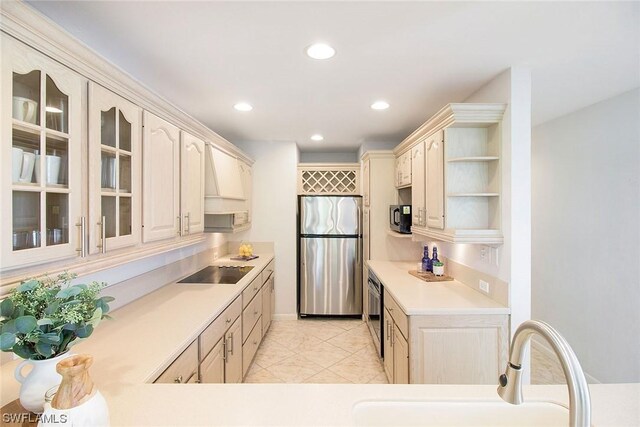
<point>41,180</point>
<point>114,171</point>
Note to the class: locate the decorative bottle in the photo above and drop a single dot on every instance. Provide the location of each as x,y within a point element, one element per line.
<point>435,255</point>
<point>426,261</point>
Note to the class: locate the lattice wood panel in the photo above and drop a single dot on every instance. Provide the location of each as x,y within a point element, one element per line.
<point>329,181</point>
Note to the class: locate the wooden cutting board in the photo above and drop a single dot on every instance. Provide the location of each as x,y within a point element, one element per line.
<point>427,276</point>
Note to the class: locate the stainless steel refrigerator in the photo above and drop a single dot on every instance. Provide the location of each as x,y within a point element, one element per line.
<point>330,255</point>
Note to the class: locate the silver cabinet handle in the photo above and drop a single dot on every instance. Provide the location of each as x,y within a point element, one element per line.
<point>388,330</point>
<point>393,335</point>
<point>188,221</point>
<point>224,350</point>
<point>178,379</point>
<point>179,218</point>
<point>230,346</point>
<point>83,237</point>
<point>103,235</point>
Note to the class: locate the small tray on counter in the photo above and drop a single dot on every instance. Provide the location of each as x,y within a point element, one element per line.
<point>427,276</point>
<point>244,258</point>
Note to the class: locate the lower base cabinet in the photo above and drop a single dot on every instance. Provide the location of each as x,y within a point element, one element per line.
<point>184,369</point>
<point>443,349</point>
<point>233,353</point>
<point>458,349</point>
<point>250,348</point>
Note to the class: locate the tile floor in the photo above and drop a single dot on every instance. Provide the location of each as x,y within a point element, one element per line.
<point>341,351</point>
<point>317,351</point>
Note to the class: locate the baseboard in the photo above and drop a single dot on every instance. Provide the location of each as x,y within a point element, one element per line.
<point>285,317</point>
<point>544,348</point>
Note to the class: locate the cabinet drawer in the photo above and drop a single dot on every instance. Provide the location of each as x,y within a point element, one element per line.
<point>398,315</point>
<point>251,290</point>
<point>251,315</point>
<point>268,270</point>
<point>210,336</point>
<point>250,347</point>
<point>183,368</point>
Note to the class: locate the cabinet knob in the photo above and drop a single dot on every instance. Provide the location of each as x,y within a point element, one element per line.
<point>255,312</point>
<point>178,379</point>
<point>255,342</point>
<point>228,320</point>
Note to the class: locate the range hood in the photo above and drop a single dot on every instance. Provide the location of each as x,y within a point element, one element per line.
<point>225,199</point>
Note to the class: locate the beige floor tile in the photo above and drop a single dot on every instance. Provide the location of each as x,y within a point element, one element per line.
<point>356,370</point>
<point>270,352</point>
<point>327,377</point>
<point>380,378</point>
<point>352,341</point>
<point>295,369</point>
<point>323,353</point>
<point>346,324</point>
<point>260,375</point>
<point>323,331</point>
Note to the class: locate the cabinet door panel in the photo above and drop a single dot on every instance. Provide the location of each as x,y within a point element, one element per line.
<point>40,159</point>
<point>246,174</point>
<point>115,132</point>
<point>160,179</point>
<point>388,345</point>
<point>266,306</point>
<point>435,180</point>
<point>233,362</point>
<point>365,182</point>
<point>418,184</point>
<point>400,359</point>
<point>212,367</point>
<point>192,184</point>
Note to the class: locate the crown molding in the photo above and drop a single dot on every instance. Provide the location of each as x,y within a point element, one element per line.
<point>29,26</point>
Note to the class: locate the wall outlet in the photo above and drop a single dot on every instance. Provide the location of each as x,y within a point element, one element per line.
<point>484,286</point>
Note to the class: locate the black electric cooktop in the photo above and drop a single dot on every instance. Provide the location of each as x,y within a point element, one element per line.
<point>218,275</point>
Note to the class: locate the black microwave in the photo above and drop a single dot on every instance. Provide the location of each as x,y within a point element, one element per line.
<point>400,218</point>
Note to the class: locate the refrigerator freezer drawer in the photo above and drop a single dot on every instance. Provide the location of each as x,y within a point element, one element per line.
<point>330,276</point>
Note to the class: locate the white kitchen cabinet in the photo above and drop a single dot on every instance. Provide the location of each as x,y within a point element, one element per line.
<point>233,355</point>
<point>366,164</point>
<point>462,180</point>
<point>418,181</point>
<point>160,179</point>
<point>403,170</point>
<point>212,367</point>
<point>396,348</point>
<point>183,368</point>
<point>458,349</point>
<point>268,298</point>
<point>221,347</point>
<point>192,157</point>
<point>246,174</point>
<point>434,146</point>
<point>41,157</point>
<point>115,133</point>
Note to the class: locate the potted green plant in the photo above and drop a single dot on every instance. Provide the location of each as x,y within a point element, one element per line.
<point>438,268</point>
<point>40,320</point>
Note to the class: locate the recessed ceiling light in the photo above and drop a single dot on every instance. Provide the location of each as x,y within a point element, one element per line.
<point>320,51</point>
<point>243,106</point>
<point>380,105</point>
<point>317,137</point>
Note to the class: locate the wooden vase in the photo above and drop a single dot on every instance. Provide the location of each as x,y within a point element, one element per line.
<point>76,386</point>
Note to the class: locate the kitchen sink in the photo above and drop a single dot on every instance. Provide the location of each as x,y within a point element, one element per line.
<point>459,413</point>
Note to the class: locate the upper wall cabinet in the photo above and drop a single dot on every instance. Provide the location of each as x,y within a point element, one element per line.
<point>403,170</point>
<point>40,156</point>
<point>115,132</point>
<point>418,184</point>
<point>192,184</point>
<point>160,179</point>
<point>462,174</point>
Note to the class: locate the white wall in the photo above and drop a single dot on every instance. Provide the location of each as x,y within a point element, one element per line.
<point>334,157</point>
<point>274,212</point>
<point>586,241</point>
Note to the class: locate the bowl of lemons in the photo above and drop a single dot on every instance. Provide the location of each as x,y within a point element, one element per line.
<point>245,252</point>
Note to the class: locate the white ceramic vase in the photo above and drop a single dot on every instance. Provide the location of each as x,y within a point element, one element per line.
<point>92,413</point>
<point>41,378</point>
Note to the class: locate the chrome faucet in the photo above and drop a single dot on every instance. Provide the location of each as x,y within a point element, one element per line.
<point>510,389</point>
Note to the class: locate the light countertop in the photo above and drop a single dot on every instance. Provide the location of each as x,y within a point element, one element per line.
<point>417,297</point>
<point>147,334</point>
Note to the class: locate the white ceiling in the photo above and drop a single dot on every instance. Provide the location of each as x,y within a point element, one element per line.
<point>206,56</point>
